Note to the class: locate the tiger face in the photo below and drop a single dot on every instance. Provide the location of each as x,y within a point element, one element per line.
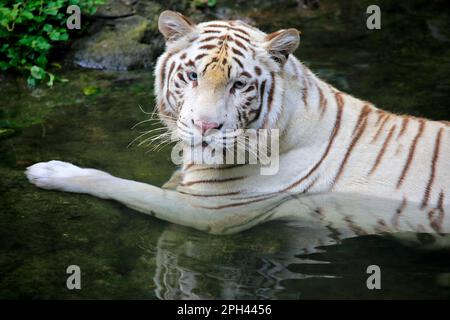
<point>219,77</point>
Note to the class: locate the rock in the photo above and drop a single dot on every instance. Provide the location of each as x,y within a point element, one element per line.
<point>224,13</point>
<point>117,46</point>
<point>148,9</point>
<point>115,9</point>
<point>151,10</point>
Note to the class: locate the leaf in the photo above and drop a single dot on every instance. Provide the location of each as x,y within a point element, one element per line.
<point>54,35</point>
<point>26,41</point>
<point>59,35</point>
<point>27,15</point>
<point>42,44</point>
<point>12,53</point>
<point>64,36</point>
<point>41,60</point>
<point>31,81</point>
<point>88,91</point>
<point>15,11</point>
<point>199,3</point>
<point>37,72</point>
<point>4,65</point>
<point>47,28</point>
<point>52,11</point>
<point>51,79</point>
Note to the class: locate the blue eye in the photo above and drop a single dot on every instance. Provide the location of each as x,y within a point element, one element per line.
<point>192,76</point>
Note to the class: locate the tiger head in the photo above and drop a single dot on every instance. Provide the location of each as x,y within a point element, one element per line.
<point>220,76</point>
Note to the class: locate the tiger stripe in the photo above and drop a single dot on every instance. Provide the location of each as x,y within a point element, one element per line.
<point>382,150</point>
<point>361,125</point>
<point>434,161</point>
<point>382,227</point>
<point>269,99</point>
<point>334,233</point>
<point>208,47</point>
<point>227,194</point>
<point>221,168</point>
<point>238,52</point>
<point>322,102</point>
<point>381,116</point>
<point>354,226</point>
<point>334,133</point>
<point>363,114</point>
<point>211,31</point>
<point>207,39</point>
<point>305,92</point>
<point>261,104</point>
<point>440,207</point>
<point>239,62</point>
<point>398,212</point>
<point>405,123</point>
<point>191,183</point>
<point>412,150</point>
<point>163,70</point>
<point>381,127</point>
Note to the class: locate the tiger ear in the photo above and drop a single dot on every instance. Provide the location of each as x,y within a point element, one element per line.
<point>282,43</point>
<point>174,25</point>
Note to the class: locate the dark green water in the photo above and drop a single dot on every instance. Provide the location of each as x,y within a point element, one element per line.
<point>404,67</point>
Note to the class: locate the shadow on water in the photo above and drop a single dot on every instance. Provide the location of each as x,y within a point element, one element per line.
<point>403,67</point>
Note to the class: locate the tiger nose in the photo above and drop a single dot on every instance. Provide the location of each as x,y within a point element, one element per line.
<point>204,126</point>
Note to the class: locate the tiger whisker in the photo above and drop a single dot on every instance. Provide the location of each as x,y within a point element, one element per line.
<point>145,112</point>
<point>242,144</point>
<point>155,138</point>
<point>159,116</point>
<point>146,120</point>
<point>144,134</point>
<point>164,142</point>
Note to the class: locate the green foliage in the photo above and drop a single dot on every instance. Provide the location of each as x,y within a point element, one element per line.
<point>30,29</point>
<point>204,3</point>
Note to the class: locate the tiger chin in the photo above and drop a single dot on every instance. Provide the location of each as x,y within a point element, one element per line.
<point>344,165</point>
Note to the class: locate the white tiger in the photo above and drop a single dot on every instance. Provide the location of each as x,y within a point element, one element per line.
<point>343,163</point>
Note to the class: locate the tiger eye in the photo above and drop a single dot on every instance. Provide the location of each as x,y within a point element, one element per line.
<point>192,76</point>
<point>239,84</point>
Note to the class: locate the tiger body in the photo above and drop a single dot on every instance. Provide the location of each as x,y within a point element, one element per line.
<point>333,146</point>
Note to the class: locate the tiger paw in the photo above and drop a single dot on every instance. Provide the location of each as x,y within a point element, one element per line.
<point>59,175</point>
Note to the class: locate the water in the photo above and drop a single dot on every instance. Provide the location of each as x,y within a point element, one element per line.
<point>403,67</point>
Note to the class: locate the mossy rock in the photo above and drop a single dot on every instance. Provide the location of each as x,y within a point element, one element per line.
<point>115,9</point>
<point>117,46</point>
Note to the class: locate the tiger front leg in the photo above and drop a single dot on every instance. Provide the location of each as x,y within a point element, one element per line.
<point>167,205</point>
